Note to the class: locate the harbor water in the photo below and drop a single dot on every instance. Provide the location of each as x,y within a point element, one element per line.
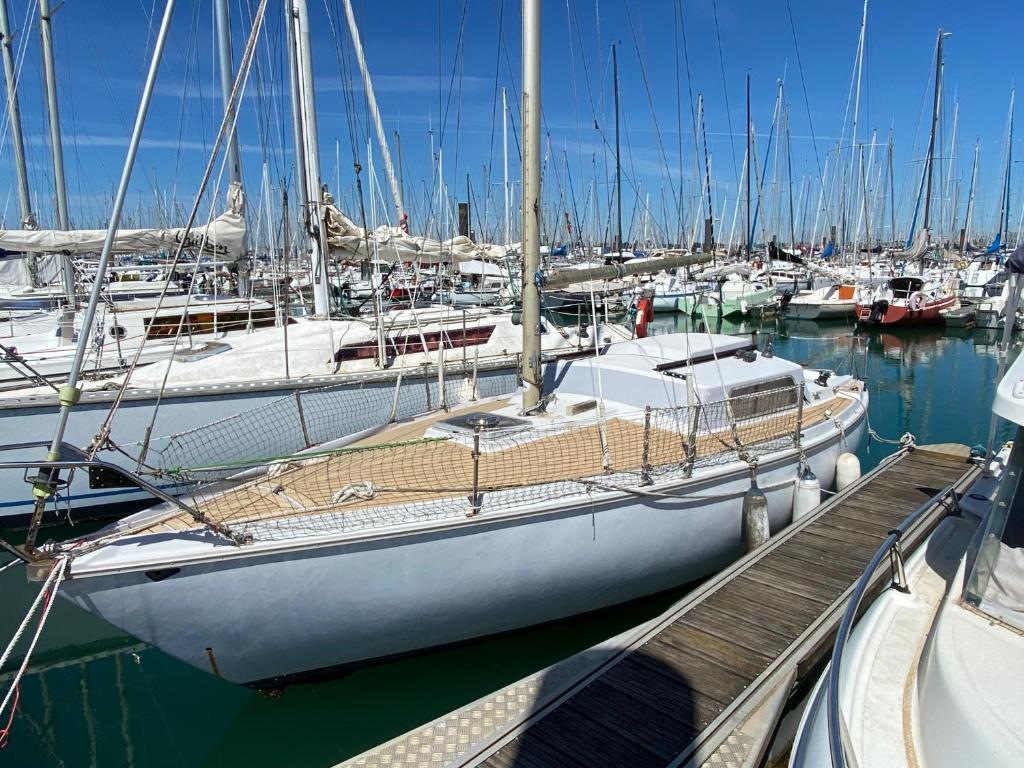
<point>96,697</point>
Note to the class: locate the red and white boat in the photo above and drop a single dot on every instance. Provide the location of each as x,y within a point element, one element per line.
<point>907,301</point>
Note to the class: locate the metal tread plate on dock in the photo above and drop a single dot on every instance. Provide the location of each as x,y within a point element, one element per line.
<point>680,688</point>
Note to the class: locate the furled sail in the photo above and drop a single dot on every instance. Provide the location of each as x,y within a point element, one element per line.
<point>223,237</point>
<point>827,253</point>
<point>917,248</point>
<point>349,242</point>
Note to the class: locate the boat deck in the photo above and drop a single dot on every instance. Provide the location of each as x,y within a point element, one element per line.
<point>399,474</point>
<point>705,683</point>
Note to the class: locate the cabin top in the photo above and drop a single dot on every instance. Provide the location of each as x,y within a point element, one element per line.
<point>907,284</point>
<point>655,371</point>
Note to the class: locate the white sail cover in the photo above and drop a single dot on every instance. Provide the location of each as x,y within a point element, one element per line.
<point>224,237</point>
<point>917,248</point>
<point>349,242</point>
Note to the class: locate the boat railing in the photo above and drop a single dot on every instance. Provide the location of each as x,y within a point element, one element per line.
<point>475,463</point>
<point>73,458</point>
<point>840,749</point>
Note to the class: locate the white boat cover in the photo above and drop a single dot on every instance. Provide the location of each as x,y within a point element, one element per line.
<point>348,242</point>
<point>477,267</point>
<point>223,237</point>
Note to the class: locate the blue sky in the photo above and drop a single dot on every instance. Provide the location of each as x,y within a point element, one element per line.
<point>438,69</point>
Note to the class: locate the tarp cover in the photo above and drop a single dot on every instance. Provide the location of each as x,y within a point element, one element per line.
<point>349,242</point>
<point>477,267</point>
<point>224,236</point>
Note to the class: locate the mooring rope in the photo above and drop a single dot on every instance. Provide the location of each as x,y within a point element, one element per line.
<point>10,564</point>
<point>45,596</point>
<point>906,440</point>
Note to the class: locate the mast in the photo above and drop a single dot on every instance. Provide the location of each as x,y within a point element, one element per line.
<point>789,174</point>
<point>892,188</point>
<point>530,121</point>
<point>371,101</point>
<point>227,79</point>
<point>69,393</point>
<point>56,146</point>
<point>948,221</point>
<point>861,46</point>
<point>709,241</point>
<point>618,157</point>
<point>864,190</point>
<point>749,165</point>
<point>306,106</point>
<point>504,143</point>
<point>970,201</point>
<point>1005,214</point>
<point>297,131</point>
<point>935,119</point>
<point>28,219</point>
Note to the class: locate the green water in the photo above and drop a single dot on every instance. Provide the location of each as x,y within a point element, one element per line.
<point>100,698</point>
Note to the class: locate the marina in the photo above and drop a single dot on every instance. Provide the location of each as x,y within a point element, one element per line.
<point>144,700</point>
<point>549,406</point>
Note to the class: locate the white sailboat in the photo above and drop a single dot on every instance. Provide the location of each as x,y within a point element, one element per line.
<point>387,546</point>
<point>618,476</point>
<point>828,303</point>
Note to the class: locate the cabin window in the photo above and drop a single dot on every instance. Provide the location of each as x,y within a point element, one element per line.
<point>763,397</point>
<point>995,576</point>
<point>206,322</point>
<point>412,343</point>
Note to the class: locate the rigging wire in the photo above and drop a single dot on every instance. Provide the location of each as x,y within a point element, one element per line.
<point>803,85</point>
<point>231,109</point>
<point>725,89</point>
<point>650,100</point>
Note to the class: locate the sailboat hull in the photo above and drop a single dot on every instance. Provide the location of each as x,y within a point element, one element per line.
<point>899,313</point>
<point>825,310</point>
<point>260,618</point>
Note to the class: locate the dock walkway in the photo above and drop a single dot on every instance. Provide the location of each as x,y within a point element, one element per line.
<point>705,683</point>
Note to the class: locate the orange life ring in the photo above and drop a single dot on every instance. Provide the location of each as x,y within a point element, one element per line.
<point>644,315</point>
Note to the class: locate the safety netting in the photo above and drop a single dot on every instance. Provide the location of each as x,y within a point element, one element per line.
<point>438,467</point>
<point>305,419</point>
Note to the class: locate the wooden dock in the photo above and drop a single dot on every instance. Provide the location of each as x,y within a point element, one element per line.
<point>706,682</point>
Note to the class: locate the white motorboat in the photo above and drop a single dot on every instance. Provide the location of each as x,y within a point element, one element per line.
<point>734,295</point>
<point>830,302</point>
<point>478,521</point>
<point>931,677</point>
<point>669,289</point>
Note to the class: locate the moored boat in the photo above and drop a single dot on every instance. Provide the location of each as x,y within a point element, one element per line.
<point>906,301</point>
<point>833,301</point>
<point>480,521</point>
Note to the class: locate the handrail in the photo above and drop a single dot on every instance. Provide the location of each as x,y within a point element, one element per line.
<point>837,734</point>
<point>84,461</point>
